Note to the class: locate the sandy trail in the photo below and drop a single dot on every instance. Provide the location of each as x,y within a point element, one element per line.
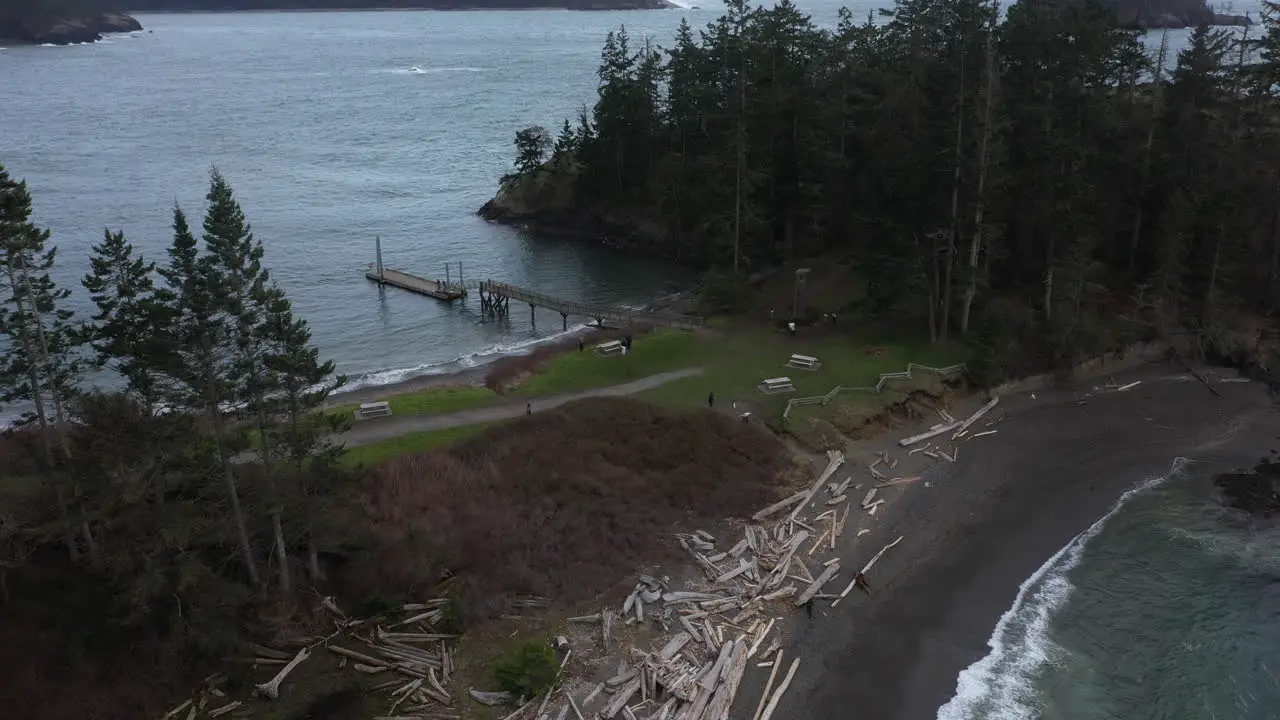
<point>372,431</point>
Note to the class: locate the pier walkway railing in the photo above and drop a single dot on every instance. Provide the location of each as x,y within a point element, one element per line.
<point>599,313</point>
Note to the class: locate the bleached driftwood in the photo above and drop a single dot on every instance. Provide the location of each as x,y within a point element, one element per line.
<point>492,699</point>
<point>779,506</point>
<point>219,712</point>
<point>836,460</point>
<point>271,689</point>
<point>866,568</point>
<point>979,413</point>
<point>908,441</point>
<point>817,584</point>
<point>768,685</point>
<point>722,701</point>
<point>782,688</point>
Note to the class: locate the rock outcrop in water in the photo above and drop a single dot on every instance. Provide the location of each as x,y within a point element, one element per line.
<point>60,22</point>
<point>1172,14</point>
<point>1256,492</point>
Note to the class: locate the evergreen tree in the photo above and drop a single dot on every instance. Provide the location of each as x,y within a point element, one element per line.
<point>42,365</point>
<point>127,333</point>
<point>203,364</point>
<point>532,145</point>
<point>304,435</point>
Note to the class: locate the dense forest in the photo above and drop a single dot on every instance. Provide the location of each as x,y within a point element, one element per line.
<point>159,493</point>
<point>1037,183</point>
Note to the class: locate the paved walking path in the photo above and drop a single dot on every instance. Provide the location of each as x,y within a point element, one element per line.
<point>371,431</point>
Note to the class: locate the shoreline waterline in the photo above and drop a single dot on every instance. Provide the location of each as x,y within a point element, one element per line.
<point>974,531</point>
<point>998,686</point>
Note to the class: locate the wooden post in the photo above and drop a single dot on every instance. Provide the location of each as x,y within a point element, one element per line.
<point>377,240</point>
<point>533,320</point>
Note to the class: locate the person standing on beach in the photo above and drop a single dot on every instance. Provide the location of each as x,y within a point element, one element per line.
<point>528,408</point>
<point>581,345</point>
<point>860,580</point>
<point>711,399</point>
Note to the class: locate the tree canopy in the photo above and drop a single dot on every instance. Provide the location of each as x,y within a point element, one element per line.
<point>1036,179</point>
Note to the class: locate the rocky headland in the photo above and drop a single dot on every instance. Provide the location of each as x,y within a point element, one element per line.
<point>60,22</point>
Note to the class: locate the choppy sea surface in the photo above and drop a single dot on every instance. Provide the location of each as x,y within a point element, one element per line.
<point>1168,607</point>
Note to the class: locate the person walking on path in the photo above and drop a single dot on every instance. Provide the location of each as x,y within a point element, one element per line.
<point>711,399</point>
<point>581,345</point>
<point>528,408</point>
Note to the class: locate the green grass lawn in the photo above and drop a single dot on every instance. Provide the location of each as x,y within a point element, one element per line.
<point>411,443</point>
<point>736,362</point>
<point>434,401</point>
<point>662,351</point>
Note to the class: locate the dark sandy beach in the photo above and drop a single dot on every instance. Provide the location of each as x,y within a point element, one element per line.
<point>983,525</point>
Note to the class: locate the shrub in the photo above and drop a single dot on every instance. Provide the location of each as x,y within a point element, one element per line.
<point>528,670</point>
<point>561,504</point>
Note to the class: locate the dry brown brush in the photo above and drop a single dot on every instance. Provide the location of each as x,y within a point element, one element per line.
<point>562,504</point>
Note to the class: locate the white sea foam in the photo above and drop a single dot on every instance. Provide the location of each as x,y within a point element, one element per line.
<point>1000,686</point>
<point>419,70</point>
<point>483,356</point>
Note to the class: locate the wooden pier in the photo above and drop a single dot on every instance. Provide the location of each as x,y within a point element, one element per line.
<point>496,297</point>
<point>447,290</point>
<point>413,283</point>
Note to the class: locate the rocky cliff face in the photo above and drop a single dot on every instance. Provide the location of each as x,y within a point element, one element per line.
<point>35,26</point>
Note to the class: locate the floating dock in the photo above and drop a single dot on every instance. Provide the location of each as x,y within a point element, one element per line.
<point>447,290</point>
<point>415,284</point>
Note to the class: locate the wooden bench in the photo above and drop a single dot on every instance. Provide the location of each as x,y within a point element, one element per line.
<point>613,347</point>
<point>773,386</point>
<point>382,408</point>
<point>804,362</point>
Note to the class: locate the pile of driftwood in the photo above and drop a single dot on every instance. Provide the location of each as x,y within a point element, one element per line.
<point>416,660</point>
<point>715,632</point>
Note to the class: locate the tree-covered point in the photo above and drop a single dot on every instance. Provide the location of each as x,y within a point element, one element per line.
<point>1040,168</point>
<point>214,447</point>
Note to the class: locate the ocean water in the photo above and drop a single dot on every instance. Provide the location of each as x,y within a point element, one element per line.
<point>1168,607</point>
<point>334,128</point>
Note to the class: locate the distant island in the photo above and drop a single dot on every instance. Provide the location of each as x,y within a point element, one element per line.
<point>238,5</point>
<point>66,22</point>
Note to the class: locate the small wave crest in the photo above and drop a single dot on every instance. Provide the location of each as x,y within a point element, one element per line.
<point>1000,686</point>
<point>484,356</point>
<point>419,70</point>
